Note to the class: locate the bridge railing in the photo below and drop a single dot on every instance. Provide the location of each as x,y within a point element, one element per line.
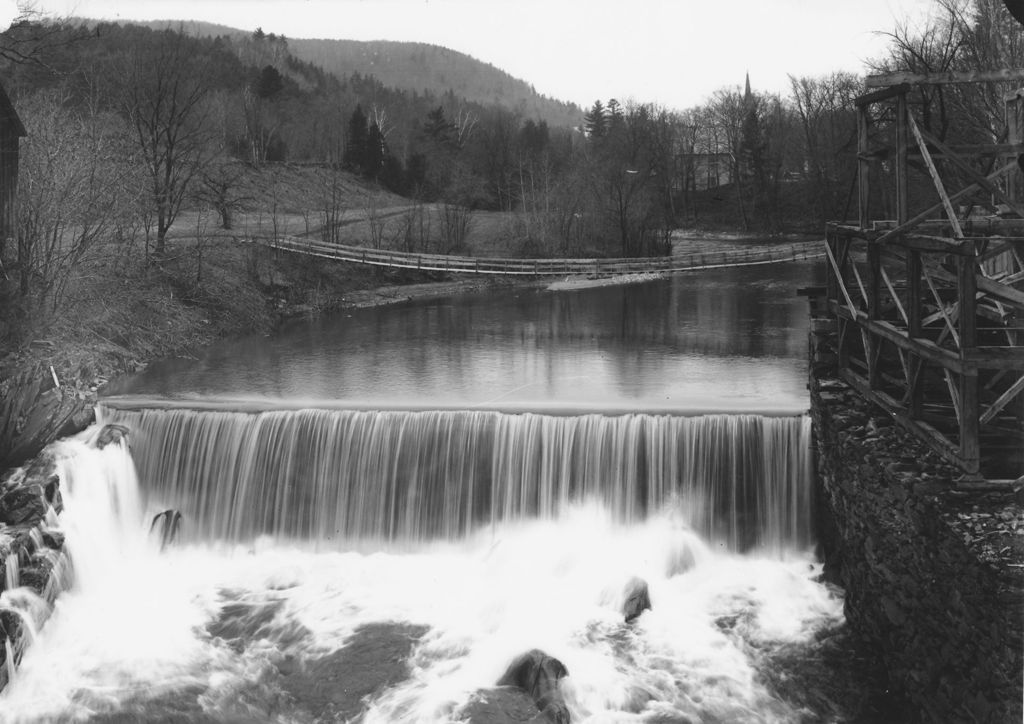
<point>543,267</point>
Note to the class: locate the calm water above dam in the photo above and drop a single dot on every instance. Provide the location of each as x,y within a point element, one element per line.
<point>472,478</point>
<point>724,340</point>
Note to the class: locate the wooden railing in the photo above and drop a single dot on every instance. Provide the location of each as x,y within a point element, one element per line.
<point>546,267</point>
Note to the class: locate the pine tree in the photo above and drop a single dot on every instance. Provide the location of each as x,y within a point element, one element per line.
<point>269,83</point>
<point>373,158</point>
<point>595,122</point>
<point>357,141</point>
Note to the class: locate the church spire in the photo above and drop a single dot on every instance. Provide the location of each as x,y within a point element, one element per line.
<point>746,92</point>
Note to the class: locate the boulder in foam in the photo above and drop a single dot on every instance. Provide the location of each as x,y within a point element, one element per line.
<point>635,599</point>
<point>110,433</point>
<point>538,675</point>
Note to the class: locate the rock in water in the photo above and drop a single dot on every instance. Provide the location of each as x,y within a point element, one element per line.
<point>24,505</point>
<point>538,675</point>
<point>167,524</point>
<point>636,599</point>
<point>110,433</point>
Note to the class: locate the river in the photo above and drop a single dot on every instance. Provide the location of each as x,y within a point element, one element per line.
<point>383,508</point>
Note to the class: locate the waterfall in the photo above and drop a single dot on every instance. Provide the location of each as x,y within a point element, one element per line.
<point>344,475</point>
<point>503,532</point>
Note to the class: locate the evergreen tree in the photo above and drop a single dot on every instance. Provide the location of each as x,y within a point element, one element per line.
<point>269,83</point>
<point>358,140</point>
<point>438,128</point>
<point>595,122</point>
<point>615,116</point>
<point>373,157</point>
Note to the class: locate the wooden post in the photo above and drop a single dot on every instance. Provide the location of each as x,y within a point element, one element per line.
<point>831,287</point>
<point>915,364</point>
<point>873,343</point>
<point>970,448</point>
<point>1013,135</point>
<point>913,307</point>
<point>902,150</point>
<point>936,179</point>
<point>863,167</point>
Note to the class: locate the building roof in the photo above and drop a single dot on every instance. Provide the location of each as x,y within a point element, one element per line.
<point>9,116</point>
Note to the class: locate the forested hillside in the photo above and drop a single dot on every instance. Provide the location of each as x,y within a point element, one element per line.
<point>422,67</point>
<point>128,125</point>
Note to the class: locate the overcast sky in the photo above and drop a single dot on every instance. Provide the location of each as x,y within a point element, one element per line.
<point>672,52</point>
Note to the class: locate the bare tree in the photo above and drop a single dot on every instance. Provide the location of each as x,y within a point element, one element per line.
<point>70,196</point>
<point>375,219</point>
<point>31,37</point>
<point>463,123</point>
<point>221,188</point>
<point>455,221</point>
<point>332,197</point>
<point>825,109</point>
<point>162,91</point>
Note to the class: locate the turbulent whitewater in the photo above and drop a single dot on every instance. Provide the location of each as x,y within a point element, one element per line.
<point>386,559</point>
<point>491,533</point>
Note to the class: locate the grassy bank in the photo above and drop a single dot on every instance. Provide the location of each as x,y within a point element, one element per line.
<point>124,308</point>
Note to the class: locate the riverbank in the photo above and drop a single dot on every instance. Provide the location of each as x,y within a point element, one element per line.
<point>175,307</point>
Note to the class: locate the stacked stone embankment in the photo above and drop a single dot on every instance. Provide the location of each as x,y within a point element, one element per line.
<point>34,568</point>
<point>934,576</point>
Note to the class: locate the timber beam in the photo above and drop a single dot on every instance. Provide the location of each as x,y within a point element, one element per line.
<point>1004,75</point>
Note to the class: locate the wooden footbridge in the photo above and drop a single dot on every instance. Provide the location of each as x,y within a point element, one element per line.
<point>744,256</point>
<point>929,306</point>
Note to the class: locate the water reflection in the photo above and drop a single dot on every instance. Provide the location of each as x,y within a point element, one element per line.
<point>718,340</point>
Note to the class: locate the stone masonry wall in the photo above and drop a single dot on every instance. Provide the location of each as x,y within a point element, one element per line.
<point>933,576</point>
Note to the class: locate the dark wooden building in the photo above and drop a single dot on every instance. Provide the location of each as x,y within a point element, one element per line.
<point>11,130</point>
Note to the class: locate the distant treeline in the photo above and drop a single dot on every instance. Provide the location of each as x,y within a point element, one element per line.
<point>127,123</point>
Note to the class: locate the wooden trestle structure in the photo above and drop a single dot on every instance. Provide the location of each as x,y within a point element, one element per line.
<point>929,306</point>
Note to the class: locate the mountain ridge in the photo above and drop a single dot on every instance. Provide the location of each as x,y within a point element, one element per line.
<point>410,66</point>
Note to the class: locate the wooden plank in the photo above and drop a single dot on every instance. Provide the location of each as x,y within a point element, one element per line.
<point>980,149</point>
<point>970,405</point>
<point>995,358</point>
<point>872,344</point>
<point>972,174</point>
<point>967,289</point>
<point>970,442</point>
<point>863,168</point>
<point>924,348</point>
<point>927,213</point>
<point>860,282</point>
<point>925,432</point>
<point>953,394</point>
<point>915,387</point>
<point>936,179</point>
<point>916,391</point>
<point>1004,75</point>
<point>882,94</point>
<point>942,307</point>
<point>1002,401</point>
<point>990,287</point>
<point>995,250</point>
<point>949,312</point>
<point>902,147</point>
<point>894,295</point>
<point>1001,291</point>
<point>840,281</point>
